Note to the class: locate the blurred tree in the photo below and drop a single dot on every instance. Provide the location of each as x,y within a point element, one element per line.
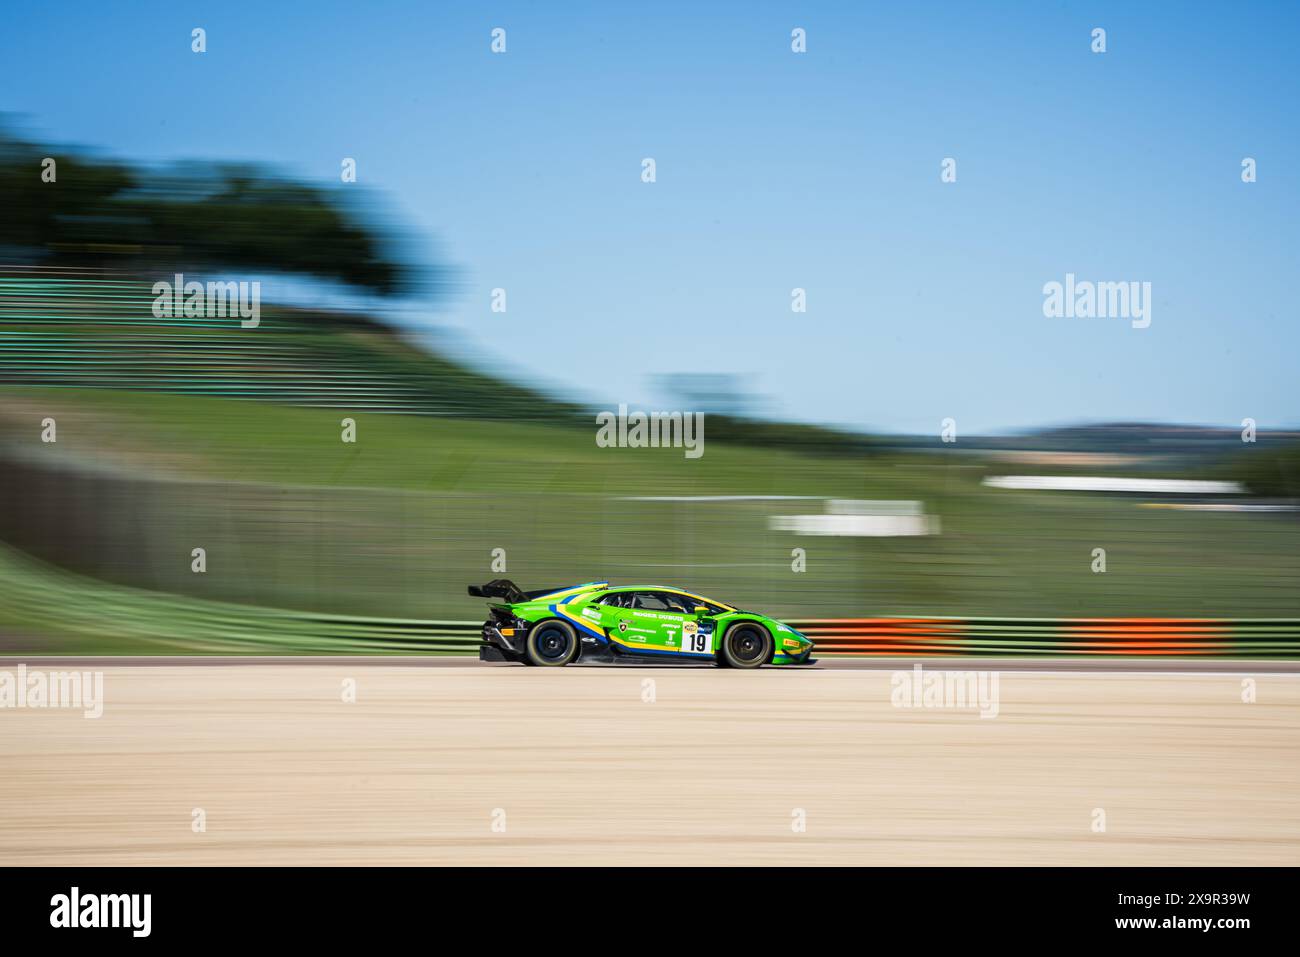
<point>712,392</point>
<point>106,213</point>
<point>1273,473</point>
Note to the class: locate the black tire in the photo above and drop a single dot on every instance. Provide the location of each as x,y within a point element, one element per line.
<point>746,644</point>
<point>551,644</point>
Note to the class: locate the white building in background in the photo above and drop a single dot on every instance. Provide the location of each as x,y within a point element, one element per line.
<point>1107,483</point>
<point>863,518</point>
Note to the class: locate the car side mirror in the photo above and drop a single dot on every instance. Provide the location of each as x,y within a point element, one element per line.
<point>701,610</point>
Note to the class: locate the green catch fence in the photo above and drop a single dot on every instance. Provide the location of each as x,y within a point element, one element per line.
<point>87,616</point>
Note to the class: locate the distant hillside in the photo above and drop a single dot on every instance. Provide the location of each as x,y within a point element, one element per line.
<point>1149,437</point>
<point>1130,438</point>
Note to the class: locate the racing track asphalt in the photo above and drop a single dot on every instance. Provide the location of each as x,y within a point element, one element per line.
<point>449,761</point>
<point>1133,664</point>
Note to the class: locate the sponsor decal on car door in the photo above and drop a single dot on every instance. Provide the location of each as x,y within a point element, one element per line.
<point>697,636</point>
<point>683,629</point>
<point>635,628</point>
<point>680,627</point>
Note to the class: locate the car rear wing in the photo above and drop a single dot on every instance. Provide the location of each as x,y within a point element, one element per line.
<point>499,588</point>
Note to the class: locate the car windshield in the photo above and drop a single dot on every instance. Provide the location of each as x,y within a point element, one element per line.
<point>694,601</point>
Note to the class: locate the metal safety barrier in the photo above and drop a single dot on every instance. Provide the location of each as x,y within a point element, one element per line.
<point>1200,637</point>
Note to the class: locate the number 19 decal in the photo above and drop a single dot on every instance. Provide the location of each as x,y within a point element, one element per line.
<point>693,640</point>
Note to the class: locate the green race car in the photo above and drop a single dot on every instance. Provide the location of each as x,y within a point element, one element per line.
<point>600,622</point>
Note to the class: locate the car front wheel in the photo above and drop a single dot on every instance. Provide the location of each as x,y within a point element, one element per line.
<point>746,645</point>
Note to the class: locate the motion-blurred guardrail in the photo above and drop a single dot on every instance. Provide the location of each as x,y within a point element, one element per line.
<point>870,636</point>
<point>909,637</point>
<point>1225,638</point>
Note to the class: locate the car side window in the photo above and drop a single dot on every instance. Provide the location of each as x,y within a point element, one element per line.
<point>678,603</point>
<point>658,601</point>
<point>693,603</point>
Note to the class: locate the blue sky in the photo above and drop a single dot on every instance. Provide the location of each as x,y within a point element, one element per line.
<point>775,171</point>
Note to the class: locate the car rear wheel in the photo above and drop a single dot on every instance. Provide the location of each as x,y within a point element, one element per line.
<point>551,644</point>
<point>746,645</point>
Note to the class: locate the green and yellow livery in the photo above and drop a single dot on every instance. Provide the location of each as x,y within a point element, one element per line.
<point>596,621</point>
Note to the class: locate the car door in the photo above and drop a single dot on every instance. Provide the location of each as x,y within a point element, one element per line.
<point>640,621</point>
<point>678,625</point>
<point>673,617</point>
<point>655,622</point>
<point>627,625</point>
<point>695,636</point>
